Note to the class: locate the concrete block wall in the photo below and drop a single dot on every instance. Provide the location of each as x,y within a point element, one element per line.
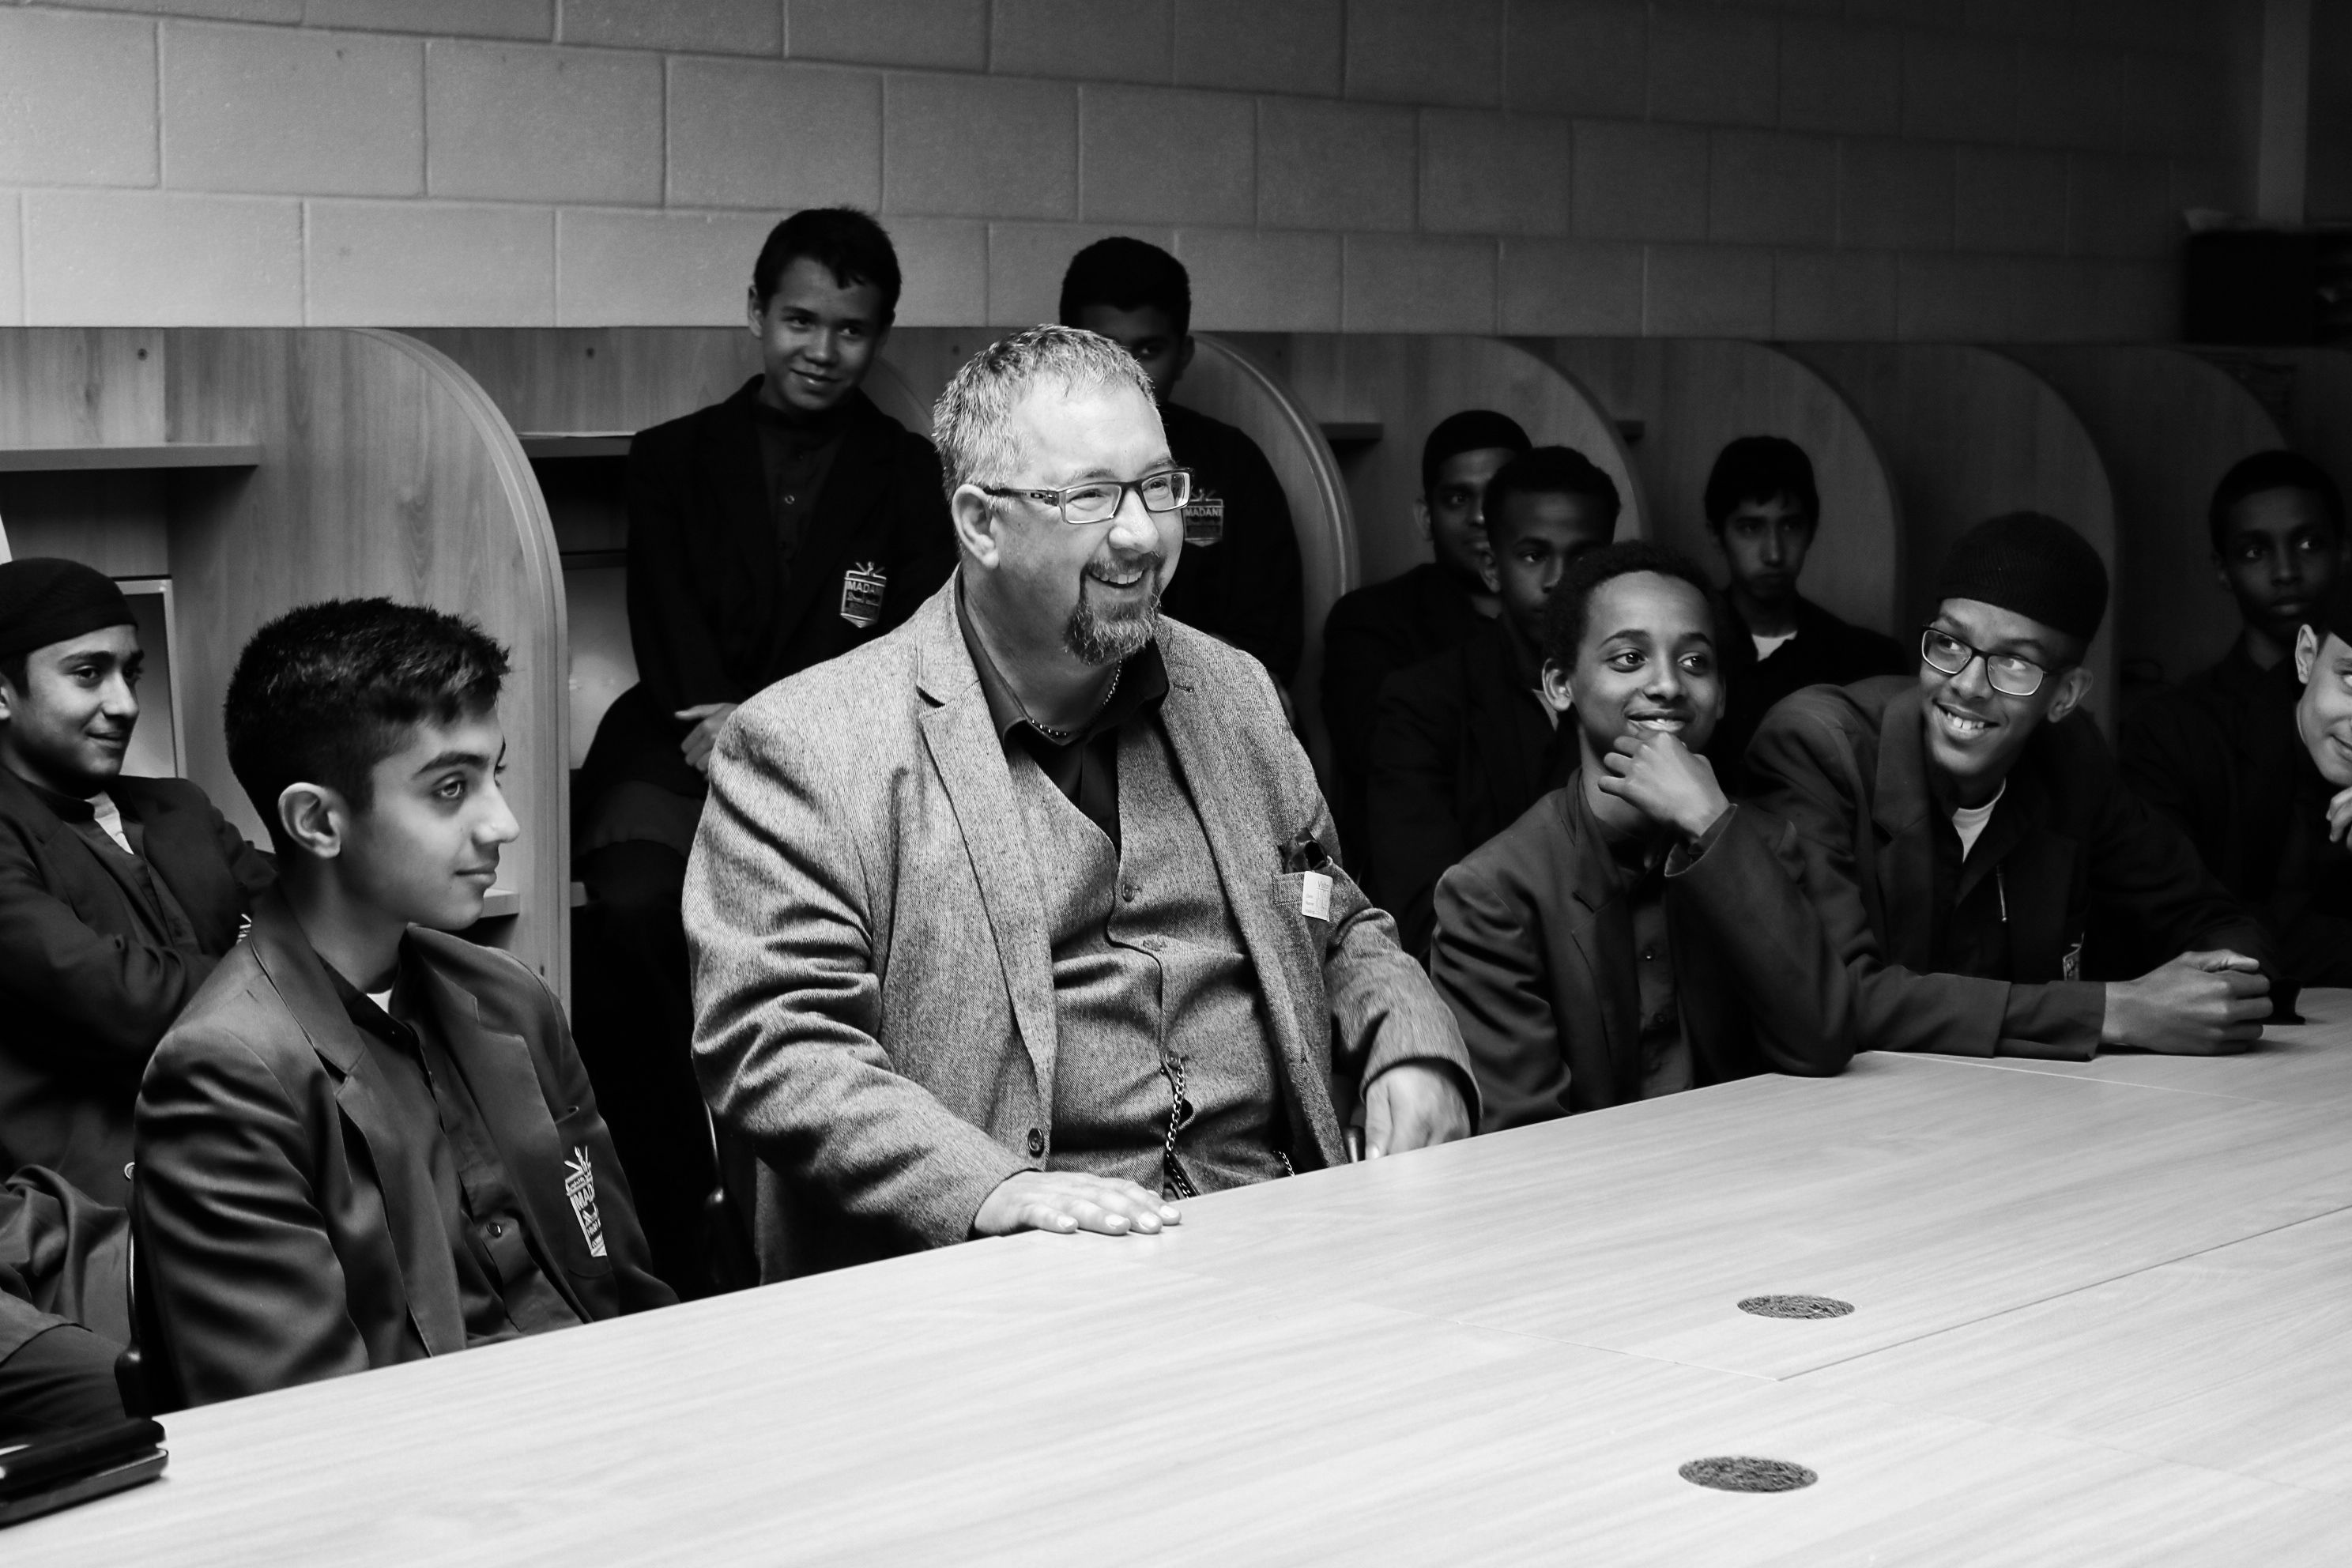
<point>1977,169</point>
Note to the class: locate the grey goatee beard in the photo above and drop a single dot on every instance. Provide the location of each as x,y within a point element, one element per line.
<point>1096,639</point>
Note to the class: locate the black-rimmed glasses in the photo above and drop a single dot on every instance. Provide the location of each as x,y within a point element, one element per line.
<point>1099,501</point>
<point>2010,675</point>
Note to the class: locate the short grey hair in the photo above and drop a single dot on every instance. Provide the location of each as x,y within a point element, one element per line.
<point>972,423</point>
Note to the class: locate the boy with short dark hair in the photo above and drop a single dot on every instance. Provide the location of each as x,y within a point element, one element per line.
<point>1375,631</point>
<point>1465,741</point>
<point>1966,832</point>
<point>367,1141</point>
<point>1240,578</point>
<point>117,895</point>
<point>1635,933</point>
<point>2217,754</point>
<point>1764,512</point>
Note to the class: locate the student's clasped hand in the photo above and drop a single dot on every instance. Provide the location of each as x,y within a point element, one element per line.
<point>709,718</point>
<point>2199,1004</point>
<point>2339,816</point>
<point>1669,783</point>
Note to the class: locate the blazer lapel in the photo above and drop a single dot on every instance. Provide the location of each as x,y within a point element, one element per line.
<point>1902,810</point>
<point>1247,848</point>
<point>183,854</point>
<point>428,1276</point>
<point>970,757</point>
<point>504,1080</point>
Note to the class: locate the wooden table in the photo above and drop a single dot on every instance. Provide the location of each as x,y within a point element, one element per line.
<point>2101,1314</point>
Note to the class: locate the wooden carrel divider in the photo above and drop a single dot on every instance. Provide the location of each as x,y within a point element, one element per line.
<point>1970,434</point>
<point>260,468</point>
<point>1690,396</point>
<point>2168,424</point>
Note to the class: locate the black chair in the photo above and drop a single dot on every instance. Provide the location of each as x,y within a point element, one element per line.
<point>143,1373</point>
<point>729,1257</point>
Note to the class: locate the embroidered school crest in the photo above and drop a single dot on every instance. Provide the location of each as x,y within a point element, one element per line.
<point>580,1187</point>
<point>861,594</point>
<point>1204,519</point>
<point>2071,966</point>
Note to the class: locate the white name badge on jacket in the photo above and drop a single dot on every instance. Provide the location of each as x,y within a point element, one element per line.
<point>861,594</point>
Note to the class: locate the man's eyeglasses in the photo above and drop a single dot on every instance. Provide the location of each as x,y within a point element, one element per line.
<point>2010,675</point>
<point>1099,501</point>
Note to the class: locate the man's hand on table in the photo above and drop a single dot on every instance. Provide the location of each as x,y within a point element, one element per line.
<point>1412,1106</point>
<point>2199,1004</point>
<point>1068,1201</point>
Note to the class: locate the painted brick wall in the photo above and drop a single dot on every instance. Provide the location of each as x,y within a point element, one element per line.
<point>1807,168</point>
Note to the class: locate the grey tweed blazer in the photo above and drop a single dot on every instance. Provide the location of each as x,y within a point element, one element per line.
<point>873,984</point>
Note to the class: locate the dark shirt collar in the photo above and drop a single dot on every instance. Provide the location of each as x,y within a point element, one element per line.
<point>1142,684</point>
<point>800,429</point>
<point>68,808</point>
<point>360,1007</point>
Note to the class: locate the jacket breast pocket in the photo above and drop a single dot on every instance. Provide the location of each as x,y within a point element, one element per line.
<point>590,1184</point>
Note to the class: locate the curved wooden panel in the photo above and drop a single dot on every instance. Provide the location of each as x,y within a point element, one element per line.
<point>1694,395</point>
<point>385,471</point>
<point>2168,424</point>
<point>2308,392</point>
<point>1385,391</point>
<point>1969,435</point>
<point>575,380</point>
<point>1225,383</point>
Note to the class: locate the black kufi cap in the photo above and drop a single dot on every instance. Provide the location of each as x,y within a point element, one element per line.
<point>2032,564</point>
<point>44,600</point>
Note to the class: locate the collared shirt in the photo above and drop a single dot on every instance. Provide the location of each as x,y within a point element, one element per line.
<point>1640,867</point>
<point>502,1285</point>
<point>796,453</point>
<point>1084,762</point>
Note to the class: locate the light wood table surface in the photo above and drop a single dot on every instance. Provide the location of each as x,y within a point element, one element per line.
<point>2097,1318</point>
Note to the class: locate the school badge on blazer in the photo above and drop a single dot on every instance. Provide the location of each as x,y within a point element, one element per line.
<point>862,588</point>
<point>580,1187</point>
<point>1204,518</point>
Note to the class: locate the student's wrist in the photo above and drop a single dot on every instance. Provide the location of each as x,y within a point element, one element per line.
<point>2114,1022</point>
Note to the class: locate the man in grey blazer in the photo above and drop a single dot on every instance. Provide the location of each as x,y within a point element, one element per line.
<point>1024,916</point>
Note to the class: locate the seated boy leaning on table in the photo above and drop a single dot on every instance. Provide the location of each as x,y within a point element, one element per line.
<point>367,1141</point>
<point>1966,832</point>
<point>1635,932</point>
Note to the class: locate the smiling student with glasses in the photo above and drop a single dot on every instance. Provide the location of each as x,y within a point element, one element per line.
<point>1966,832</point>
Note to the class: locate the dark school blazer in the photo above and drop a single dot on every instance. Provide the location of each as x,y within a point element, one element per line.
<point>62,1261</point>
<point>714,613</point>
<point>287,1224</point>
<point>1461,750</point>
<point>90,979</point>
<point>1534,951</point>
<point>1245,587</point>
<point>2067,846</point>
<point>1370,635</point>
<point>1826,651</point>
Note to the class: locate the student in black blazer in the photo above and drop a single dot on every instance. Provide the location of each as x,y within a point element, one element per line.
<point>769,533</point>
<point>117,895</point>
<point>1966,833</point>
<point>1764,512</point>
<point>1635,933</point>
<point>1466,741</point>
<point>368,1142</point>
